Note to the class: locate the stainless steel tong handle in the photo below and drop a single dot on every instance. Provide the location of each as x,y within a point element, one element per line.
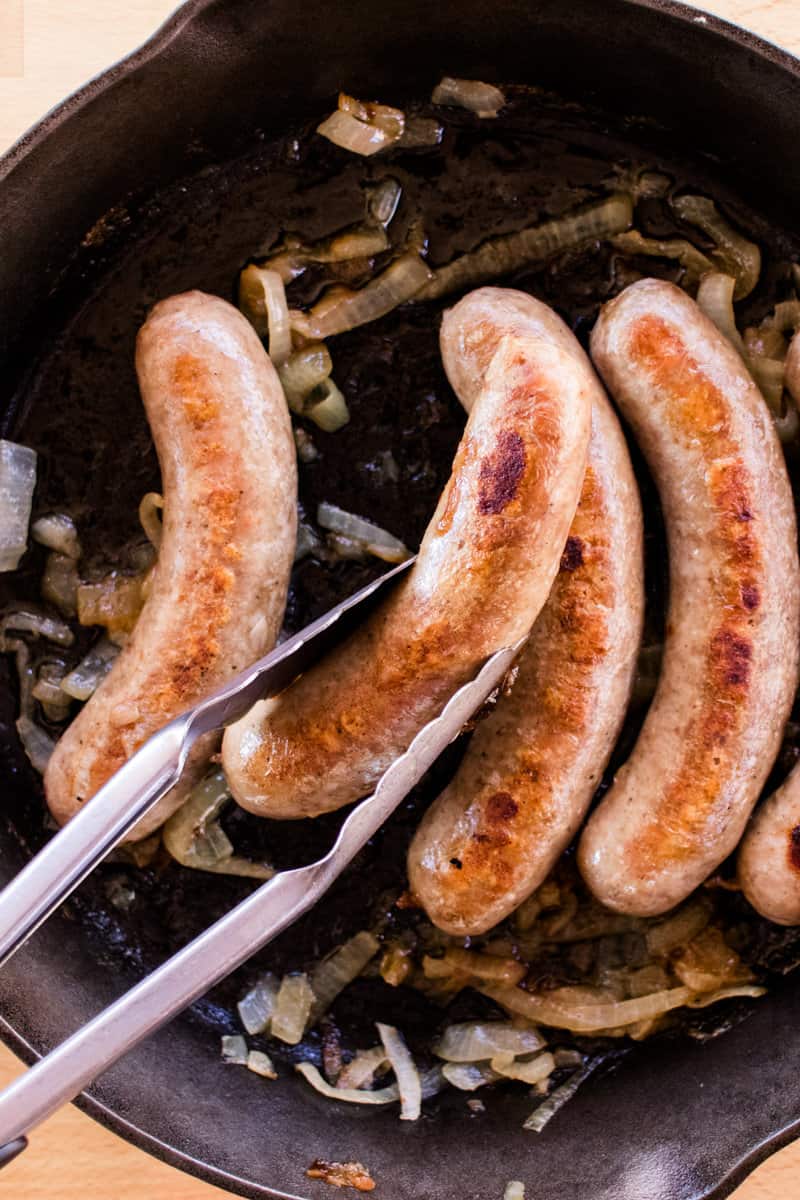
<point>75,851</point>
<point>234,938</point>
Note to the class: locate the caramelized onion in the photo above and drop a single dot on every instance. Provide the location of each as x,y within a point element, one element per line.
<point>512,251</point>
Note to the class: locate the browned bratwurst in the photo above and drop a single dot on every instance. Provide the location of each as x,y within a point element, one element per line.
<point>224,442</point>
<point>680,804</point>
<point>485,567</point>
<point>769,857</point>
<point>533,765</point>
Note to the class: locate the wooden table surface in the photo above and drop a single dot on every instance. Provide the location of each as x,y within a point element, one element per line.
<point>65,42</point>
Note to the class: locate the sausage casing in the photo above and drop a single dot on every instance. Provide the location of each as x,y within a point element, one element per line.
<point>769,856</point>
<point>680,804</point>
<point>533,765</point>
<point>223,437</point>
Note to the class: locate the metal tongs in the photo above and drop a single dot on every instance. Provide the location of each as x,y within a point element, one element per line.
<point>69,857</point>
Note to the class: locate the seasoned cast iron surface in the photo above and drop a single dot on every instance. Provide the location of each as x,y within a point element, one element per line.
<point>81,410</point>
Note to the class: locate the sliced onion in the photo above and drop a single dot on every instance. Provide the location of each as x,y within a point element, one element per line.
<point>514,1190</point>
<point>25,672</point>
<point>406,1073</point>
<point>114,603</point>
<point>385,1095</point>
<point>560,1011</point>
<point>785,317</point>
<point>194,837</point>
<point>339,969</point>
<point>709,963</point>
<point>545,1112</point>
<point>374,539</point>
<point>383,116</point>
<point>485,967</point>
<point>261,1064</point>
<point>361,1070</point>
<point>341,308</point>
<point>769,374</point>
<point>292,1008</point>
<point>652,978</point>
<point>359,137</point>
<point>432,1082</point>
<point>358,242</point>
<point>290,259</point>
<point>327,407</point>
<point>396,964</point>
<point>57,532</point>
<point>60,583</point>
<point>678,929</point>
<point>38,624</point>
<point>37,744</point>
<point>384,200</point>
<point>150,506</point>
<point>468,1077</point>
<point>715,299</point>
<point>512,251</point>
<point>694,263</point>
<point>474,1041</point>
<point>530,1071</point>
<point>346,548</point>
<point>234,1049</point>
<point>55,703</point>
<point>734,254</point>
<point>484,99</point>
<point>306,369</point>
<point>307,541</point>
<point>257,1006</point>
<point>84,680</point>
<point>750,990</point>
<point>262,299</point>
<point>17,482</point>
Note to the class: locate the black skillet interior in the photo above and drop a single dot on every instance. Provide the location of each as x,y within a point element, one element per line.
<point>184,154</point>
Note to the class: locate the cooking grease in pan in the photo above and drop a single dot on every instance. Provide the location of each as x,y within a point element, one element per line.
<point>81,411</point>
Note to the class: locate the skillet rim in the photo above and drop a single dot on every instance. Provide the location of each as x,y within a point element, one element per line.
<point>186,14</point>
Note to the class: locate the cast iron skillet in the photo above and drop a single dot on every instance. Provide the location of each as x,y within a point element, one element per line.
<point>675,1121</point>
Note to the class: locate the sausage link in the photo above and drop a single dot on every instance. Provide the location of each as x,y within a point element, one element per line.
<point>769,856</point>
<point>223,437</point>
<point>484,570</point>
<point>533,765</point>
<point>791,376</point>
<point>680,804</point>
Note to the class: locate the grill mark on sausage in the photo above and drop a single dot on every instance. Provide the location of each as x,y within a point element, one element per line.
<point>751,597</point>
<point>501,473</point>
<point>794,848</point>
<point>572,558</point>
<point>501,807</point>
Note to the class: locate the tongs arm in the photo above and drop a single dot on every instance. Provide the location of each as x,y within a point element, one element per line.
<point>235,937</point>
<point>104,820</point>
